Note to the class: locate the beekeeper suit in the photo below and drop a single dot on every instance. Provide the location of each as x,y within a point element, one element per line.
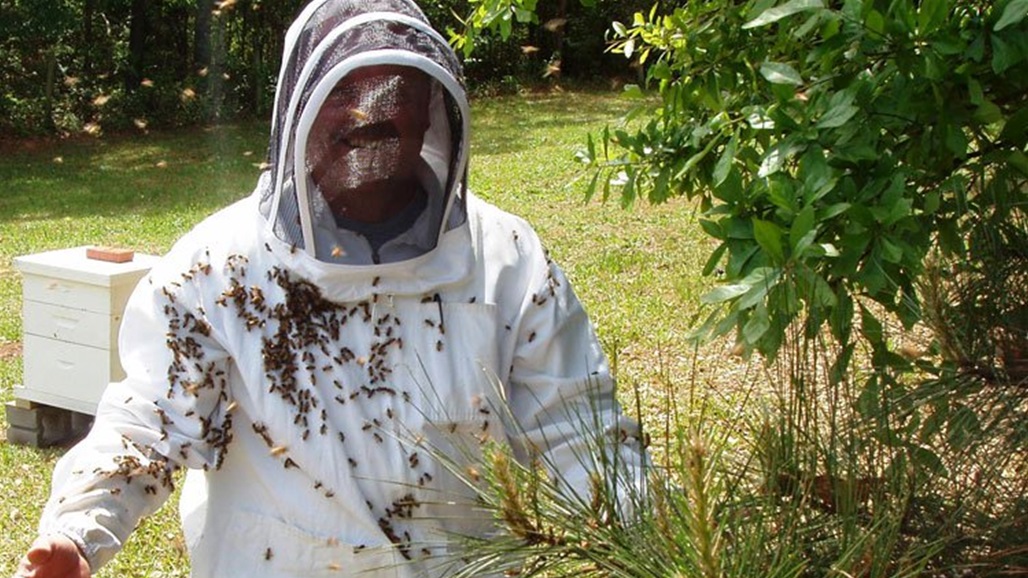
<point>332,353</point>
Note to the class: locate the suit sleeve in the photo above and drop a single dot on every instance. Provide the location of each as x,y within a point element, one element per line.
<point>171,411</point>
<point>563,395</point>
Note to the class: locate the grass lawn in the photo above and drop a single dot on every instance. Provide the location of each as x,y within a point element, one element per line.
<point>636,270</point>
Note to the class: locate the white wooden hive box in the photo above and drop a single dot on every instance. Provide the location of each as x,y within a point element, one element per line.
<point>72,308</point>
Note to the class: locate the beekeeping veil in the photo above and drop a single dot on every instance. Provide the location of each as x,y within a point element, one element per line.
<point>330,40</point>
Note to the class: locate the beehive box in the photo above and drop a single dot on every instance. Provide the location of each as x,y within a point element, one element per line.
<point>72,308</point>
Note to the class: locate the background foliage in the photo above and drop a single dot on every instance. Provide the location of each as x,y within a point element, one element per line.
<point>93,65</point>
<point>861,167</point>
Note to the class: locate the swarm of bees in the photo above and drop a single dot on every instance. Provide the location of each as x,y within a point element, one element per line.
<point>301,348</point>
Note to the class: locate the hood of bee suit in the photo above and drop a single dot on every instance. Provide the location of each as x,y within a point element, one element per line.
<point>328,41</point>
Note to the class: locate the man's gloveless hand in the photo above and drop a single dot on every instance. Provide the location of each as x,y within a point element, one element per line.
<point>53,557</point>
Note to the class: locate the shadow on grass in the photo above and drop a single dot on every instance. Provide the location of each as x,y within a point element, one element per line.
<point>131,175</point>
<point>499,125</point>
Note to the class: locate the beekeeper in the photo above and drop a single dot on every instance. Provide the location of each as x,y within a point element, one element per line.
<point>330,355</point>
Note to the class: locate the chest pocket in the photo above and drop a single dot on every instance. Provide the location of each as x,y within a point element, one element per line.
<point>457,367</point>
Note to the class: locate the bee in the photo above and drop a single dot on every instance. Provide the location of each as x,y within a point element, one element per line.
<point>268,554</point>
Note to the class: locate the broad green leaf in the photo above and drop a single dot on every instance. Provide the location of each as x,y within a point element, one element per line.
<point>724,293</point>
<point>590,190</point>
<point>891,252</point>
<point>724,164</point>
<point>932,201</point>
<point>1019,160</point>
<point>869,400</point>
<point>1004,55</point>
<point>802,227</point>
<point>778,12</point>
<point>834,210</point>
<point>714,259</point>
<point>769,237</point>
<point>731,189</point>
<point>927,459</point>
<point>780,73</point>
<point>875,22</point>
<point>870,327</point>
<point>837,116</point>
<point>756,282</point>
<point>758,291</point>
<point>757,326</point>
<point>712,228</point>
<point>1014,13</point>
<point>988,113</point>
<point>776,158</point>
<point>822,295</point>
<point>807,27</point>
<point>956,141</point>
<point>1015,130</point>
<point>930,14</point>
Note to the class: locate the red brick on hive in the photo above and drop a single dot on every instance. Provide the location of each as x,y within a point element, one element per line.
<point>110,254</point>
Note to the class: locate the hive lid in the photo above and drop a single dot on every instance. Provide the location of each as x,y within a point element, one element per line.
<point>73,265</point>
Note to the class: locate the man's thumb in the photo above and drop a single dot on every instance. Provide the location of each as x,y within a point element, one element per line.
<point>41,551</point>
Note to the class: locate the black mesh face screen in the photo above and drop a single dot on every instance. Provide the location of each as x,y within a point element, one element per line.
<point>370,128</point>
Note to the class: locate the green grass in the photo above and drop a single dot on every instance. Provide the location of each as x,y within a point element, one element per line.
<point>637,270</point>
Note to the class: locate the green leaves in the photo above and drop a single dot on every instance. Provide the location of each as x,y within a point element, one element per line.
<point>789,8</point>
<point>780,73</point>
<point>829,155</point>
<point>1013,13</point>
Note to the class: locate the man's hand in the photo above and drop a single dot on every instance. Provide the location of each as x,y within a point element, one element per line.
<point>53,557</point>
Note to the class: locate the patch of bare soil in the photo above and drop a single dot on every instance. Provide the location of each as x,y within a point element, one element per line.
<point>10,350</point>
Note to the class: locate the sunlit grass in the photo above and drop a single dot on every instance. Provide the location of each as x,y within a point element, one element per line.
<point>636,270</point>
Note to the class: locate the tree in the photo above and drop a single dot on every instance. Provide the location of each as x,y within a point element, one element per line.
<point>848,159</point>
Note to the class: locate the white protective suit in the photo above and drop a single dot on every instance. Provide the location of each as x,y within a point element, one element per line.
<point>311,388</point>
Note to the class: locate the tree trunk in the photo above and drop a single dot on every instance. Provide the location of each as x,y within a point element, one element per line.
<point>88,8</point>
<point>48,103</point>
<point>202,34</point>
<point>138,30</point>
